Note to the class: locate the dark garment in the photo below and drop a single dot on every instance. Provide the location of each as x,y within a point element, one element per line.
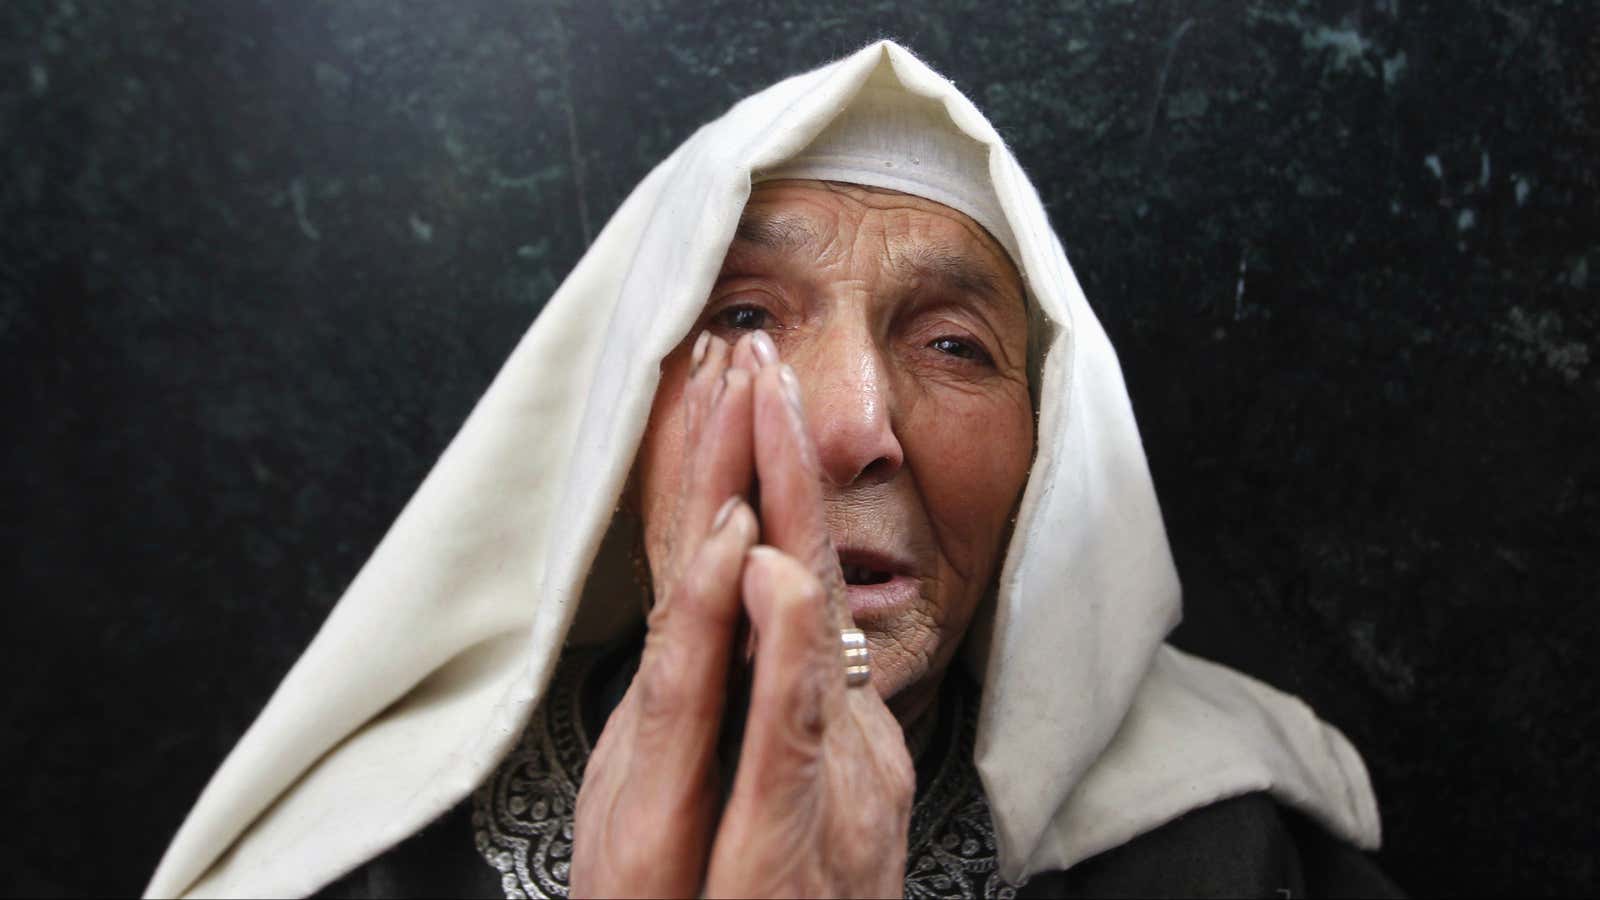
<point>1248,846</point>
<point>438,861</point>
<point>1245,847</point>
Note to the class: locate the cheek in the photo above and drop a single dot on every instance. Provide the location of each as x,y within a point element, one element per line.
<point>971,456</point>
<point>660,462</point>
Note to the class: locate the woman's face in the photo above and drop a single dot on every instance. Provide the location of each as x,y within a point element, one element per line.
<point>906,325</point>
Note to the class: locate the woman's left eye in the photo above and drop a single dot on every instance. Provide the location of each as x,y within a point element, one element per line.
<point>744,318</point>
<point>960,349</point>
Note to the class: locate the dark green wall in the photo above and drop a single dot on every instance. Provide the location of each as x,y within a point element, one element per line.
<point>258,259</point>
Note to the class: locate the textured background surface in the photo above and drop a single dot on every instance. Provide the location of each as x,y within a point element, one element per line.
<point>258,260</point>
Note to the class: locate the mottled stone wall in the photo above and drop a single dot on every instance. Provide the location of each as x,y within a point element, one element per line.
<point>258,260</point>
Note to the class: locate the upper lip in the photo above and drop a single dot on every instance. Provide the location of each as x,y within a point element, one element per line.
<point>874,560</point>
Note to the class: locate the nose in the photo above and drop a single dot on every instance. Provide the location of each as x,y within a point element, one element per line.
<point>849,402</point>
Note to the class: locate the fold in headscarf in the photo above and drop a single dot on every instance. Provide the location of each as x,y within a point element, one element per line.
<point>1091,731</point>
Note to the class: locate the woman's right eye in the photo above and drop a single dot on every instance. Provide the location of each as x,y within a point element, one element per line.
<point>744,318</point>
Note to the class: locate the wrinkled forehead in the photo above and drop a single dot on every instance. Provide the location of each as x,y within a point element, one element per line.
<point>917,238</point>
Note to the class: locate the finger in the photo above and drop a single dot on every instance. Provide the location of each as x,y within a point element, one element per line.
<point>707,361</point>
<point>681,683</point>
<point>792,515</point>
<point>799,680</point>
<point>754,350</point>
<point>720,461</point>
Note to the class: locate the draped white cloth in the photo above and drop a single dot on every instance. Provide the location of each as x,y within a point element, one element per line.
<point>1092,730</point>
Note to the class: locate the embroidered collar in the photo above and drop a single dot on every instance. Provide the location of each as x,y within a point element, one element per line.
<point>522,815</point>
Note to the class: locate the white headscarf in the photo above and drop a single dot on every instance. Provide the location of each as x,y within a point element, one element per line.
<point>1091,731</point>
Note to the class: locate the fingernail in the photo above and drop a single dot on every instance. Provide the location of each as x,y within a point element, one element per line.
<point>791,388</point>
<point>698,355</point>
<point>766,351</point>
<point>725,513</point>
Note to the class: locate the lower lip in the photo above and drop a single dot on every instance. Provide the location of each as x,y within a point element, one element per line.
<point>879,601</point>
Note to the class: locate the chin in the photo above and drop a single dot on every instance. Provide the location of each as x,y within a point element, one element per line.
<point>907,680</point>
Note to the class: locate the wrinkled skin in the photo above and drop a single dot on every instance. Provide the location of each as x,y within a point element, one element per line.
<point>863,358</point>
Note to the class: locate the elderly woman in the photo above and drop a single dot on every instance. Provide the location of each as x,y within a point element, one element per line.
<point>828,380</point>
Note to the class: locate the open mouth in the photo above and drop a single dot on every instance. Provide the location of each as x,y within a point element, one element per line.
<point>866,567</point>
<point>865,575</point>
<point>878,585</point>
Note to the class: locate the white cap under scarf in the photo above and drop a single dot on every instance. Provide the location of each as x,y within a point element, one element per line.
<point>887,139</point>
<point>1091,731</point>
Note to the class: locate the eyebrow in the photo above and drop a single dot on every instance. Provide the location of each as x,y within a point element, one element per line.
<point>953,270</point>
<point>777,232</point>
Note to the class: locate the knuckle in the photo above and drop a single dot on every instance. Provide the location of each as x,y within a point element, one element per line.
<point>702,584</point>
<point>664,690</point>
<point>804,719</point>
<point>736,379</point>
<point>801,599</point>
<point>902,784</point>
<point>855,854</point>
<point>899,773</point>
<point>786,774</point>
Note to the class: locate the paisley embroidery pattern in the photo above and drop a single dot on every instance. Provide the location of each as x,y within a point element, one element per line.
<point>951,849</point>
<point>522,816</point>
